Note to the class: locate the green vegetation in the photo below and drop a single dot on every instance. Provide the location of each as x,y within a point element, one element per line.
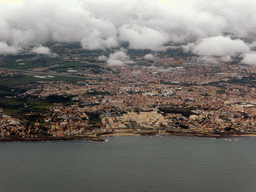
<point>17,80</point>
<point>94,118</point>
<point>32,109</point>
<point>220,92</point>
<point>14,113</point>
<point>64,65</point>
<point>10,103</point>
<point>25,65</point>
<point>214,83</point>
<point>10,91</point>
<point>184,111</point>
<point>52,63</point>
<point>248,81</point>
<point>94,93</point>
<point>60,99</point>
<point>17,108</point>
<point>37,105</point>
<point>10,81</point>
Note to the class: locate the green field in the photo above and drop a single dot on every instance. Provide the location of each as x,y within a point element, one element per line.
<point>25,65</point>
<point>20,79</point>
<point>52,64</point>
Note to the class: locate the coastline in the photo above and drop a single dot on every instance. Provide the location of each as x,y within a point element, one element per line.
<point>37,139</point>
<point>130,134</point>
<point>245,135</point>
<point>119,134</point>
<point>100,137</point>
<point>195,134</point>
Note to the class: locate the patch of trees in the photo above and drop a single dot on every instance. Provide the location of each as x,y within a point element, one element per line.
<point>9,91</point>
<point>58,99</point>
<point>94,118</point>
<point>10,103</point>
<point>94,93</point>
<point>184,111</point>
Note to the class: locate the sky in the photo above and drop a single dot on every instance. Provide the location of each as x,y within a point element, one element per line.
<point>202,25</point>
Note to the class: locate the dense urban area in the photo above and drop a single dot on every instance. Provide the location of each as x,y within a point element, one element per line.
<point>76,93</point>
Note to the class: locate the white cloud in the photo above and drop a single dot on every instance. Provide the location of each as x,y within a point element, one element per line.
<point>220,46</point>
<point>188,47</point>
<point>142,37</point>
<point>119,55</point>
<point>9,49</point>
<point>102,58</point>
<point>119,58</point>
<point>97,41</point>
<point>226,58</point>
<point>249,59</point>
<point>149,57</point>
<point>41,50</point>
<point>36,22</point>
<point>239,15</point>
<point>102,24</point>
<point>252,45</point>
<point>114,62</point>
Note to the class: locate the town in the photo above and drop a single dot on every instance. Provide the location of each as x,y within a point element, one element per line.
<point>86,95</point>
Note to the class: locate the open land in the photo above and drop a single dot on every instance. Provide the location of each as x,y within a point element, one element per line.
<point>76,96</point>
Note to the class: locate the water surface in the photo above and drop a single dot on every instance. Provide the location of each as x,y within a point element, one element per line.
<point>130,163</point>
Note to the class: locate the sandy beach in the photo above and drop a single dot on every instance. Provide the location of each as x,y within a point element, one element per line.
<point>131,134</point>
<point>245,135</point>
<point>118,134</point>
<point>164,133</point>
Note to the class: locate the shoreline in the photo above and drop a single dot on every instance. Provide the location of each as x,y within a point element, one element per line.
<point>101,136</point>
<point>119,134</point>
<point>180,134</point>
<point>130,134</point>
<point>38,139</point>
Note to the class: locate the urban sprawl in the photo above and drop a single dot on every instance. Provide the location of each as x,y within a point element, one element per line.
<point>78,95</point>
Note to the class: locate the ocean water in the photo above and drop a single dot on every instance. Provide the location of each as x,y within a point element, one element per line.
<point>130,163</point>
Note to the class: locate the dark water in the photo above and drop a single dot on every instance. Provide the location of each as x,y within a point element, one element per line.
<point>130,163</point>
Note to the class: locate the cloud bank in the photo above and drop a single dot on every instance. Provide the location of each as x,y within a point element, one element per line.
<point>220,46</point>
<point>151,24</point>
<point>142,37</point>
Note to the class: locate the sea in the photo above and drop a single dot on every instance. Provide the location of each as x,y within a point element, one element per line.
<point>130,163</point>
